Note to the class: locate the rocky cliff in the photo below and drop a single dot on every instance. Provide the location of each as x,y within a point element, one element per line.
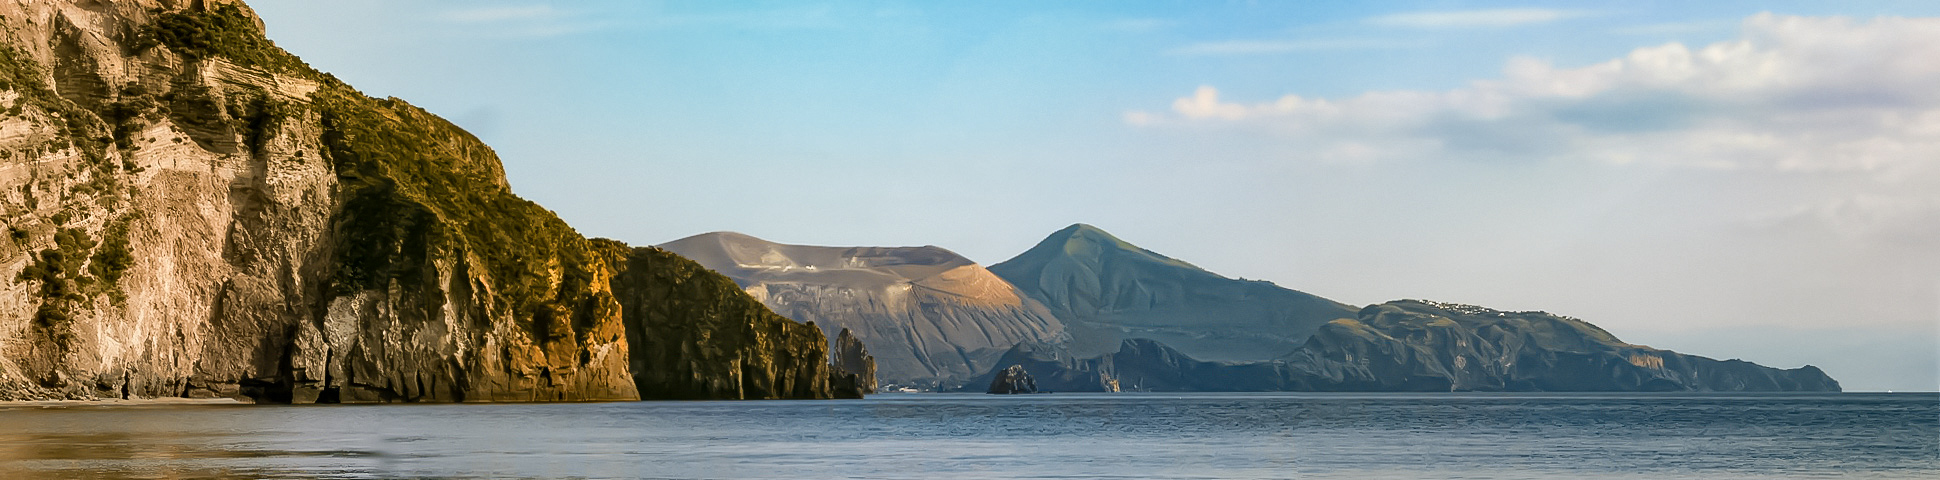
<point>851,357</point>
<point>1417,346</point>
<point>192,211</point>
<point>1107,290</point>
<point>1012,380</point>
<point>694,335</point>
<point>927,315</point>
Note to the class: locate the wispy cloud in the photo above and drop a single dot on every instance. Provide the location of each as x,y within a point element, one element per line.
<point>543,20</point>
<point>1849,102</point>
<point>502,14</point>
<point>1269,47</point>
<point>1505,17</point>
<point>1674,28</point>
<point>1791,94</point>
<point>811,17</point>
<point>1138,25</point>
<point>537,20</point>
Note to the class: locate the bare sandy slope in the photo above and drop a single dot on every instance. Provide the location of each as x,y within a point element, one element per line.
<point>928,315</point>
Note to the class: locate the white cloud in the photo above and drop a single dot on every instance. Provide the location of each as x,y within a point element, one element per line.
<point>1797,94</point>
<point>1268,47</point>
<point>1506,17</point>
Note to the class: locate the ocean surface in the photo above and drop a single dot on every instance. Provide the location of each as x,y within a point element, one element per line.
<point>951,436</point>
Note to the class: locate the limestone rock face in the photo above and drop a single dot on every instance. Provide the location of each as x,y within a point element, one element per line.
<point>928,315</point>
<point>191,211</point>
<point>1012,380</point>
<point>852,358</point>
<point>1107,290</point>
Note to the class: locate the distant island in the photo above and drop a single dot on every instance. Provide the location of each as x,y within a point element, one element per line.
<point>1123,318</point>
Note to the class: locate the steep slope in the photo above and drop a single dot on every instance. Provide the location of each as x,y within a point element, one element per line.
<point>1107,290</point>
<point>1417,346</point>
<point>194,212</point>
<point>851,357</point>
<point>694,335</point>
<point>927,315</point>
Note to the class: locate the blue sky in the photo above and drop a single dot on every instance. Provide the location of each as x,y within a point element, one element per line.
<point>1733,179</point>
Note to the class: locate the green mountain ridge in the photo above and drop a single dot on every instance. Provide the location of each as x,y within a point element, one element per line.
<point>1108,290</point>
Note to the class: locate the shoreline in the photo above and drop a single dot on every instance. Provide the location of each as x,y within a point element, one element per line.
<point>119,402</point>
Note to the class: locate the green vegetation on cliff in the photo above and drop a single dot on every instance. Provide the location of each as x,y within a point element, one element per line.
<point>404,267</point>
<point>417,189</point>
<point>76,266</point>
<point>224,31</point>
<point>694,334</point>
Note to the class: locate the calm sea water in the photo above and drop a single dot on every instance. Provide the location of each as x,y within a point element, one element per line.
<point>980,436</point>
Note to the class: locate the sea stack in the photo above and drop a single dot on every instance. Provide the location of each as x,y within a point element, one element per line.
<point>852,358</point>
<point>1013,380</point>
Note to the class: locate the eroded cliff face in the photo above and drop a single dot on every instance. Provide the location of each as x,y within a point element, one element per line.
<point>850,357</point>
<point>695,335</point>
<point>192,211</point>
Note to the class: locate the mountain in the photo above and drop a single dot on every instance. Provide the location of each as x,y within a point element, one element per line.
<point>1419,346</point>
<point>1430,346</point>
<point>927,315</point>
<point>193,212</point>
<point>1107,291</point>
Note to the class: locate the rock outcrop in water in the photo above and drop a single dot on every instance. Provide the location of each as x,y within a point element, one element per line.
<point>928,315</point>
<point>1107,290</point>
<point>853,358</point>
<point>1012,380</point>
<point>1417,346</point>
<point>191,211</point>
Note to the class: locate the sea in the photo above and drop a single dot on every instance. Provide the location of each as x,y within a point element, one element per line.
<point>971,436</point>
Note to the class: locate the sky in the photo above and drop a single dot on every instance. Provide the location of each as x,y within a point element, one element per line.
<point>1755,180</point>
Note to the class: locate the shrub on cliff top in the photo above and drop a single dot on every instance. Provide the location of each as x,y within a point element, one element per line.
<point>416,187</point>
<point>224,31</point>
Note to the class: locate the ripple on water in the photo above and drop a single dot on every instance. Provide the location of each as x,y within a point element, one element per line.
<point>976,436</point>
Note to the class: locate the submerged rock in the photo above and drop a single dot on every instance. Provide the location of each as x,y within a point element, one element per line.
<point>1012,380</point>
